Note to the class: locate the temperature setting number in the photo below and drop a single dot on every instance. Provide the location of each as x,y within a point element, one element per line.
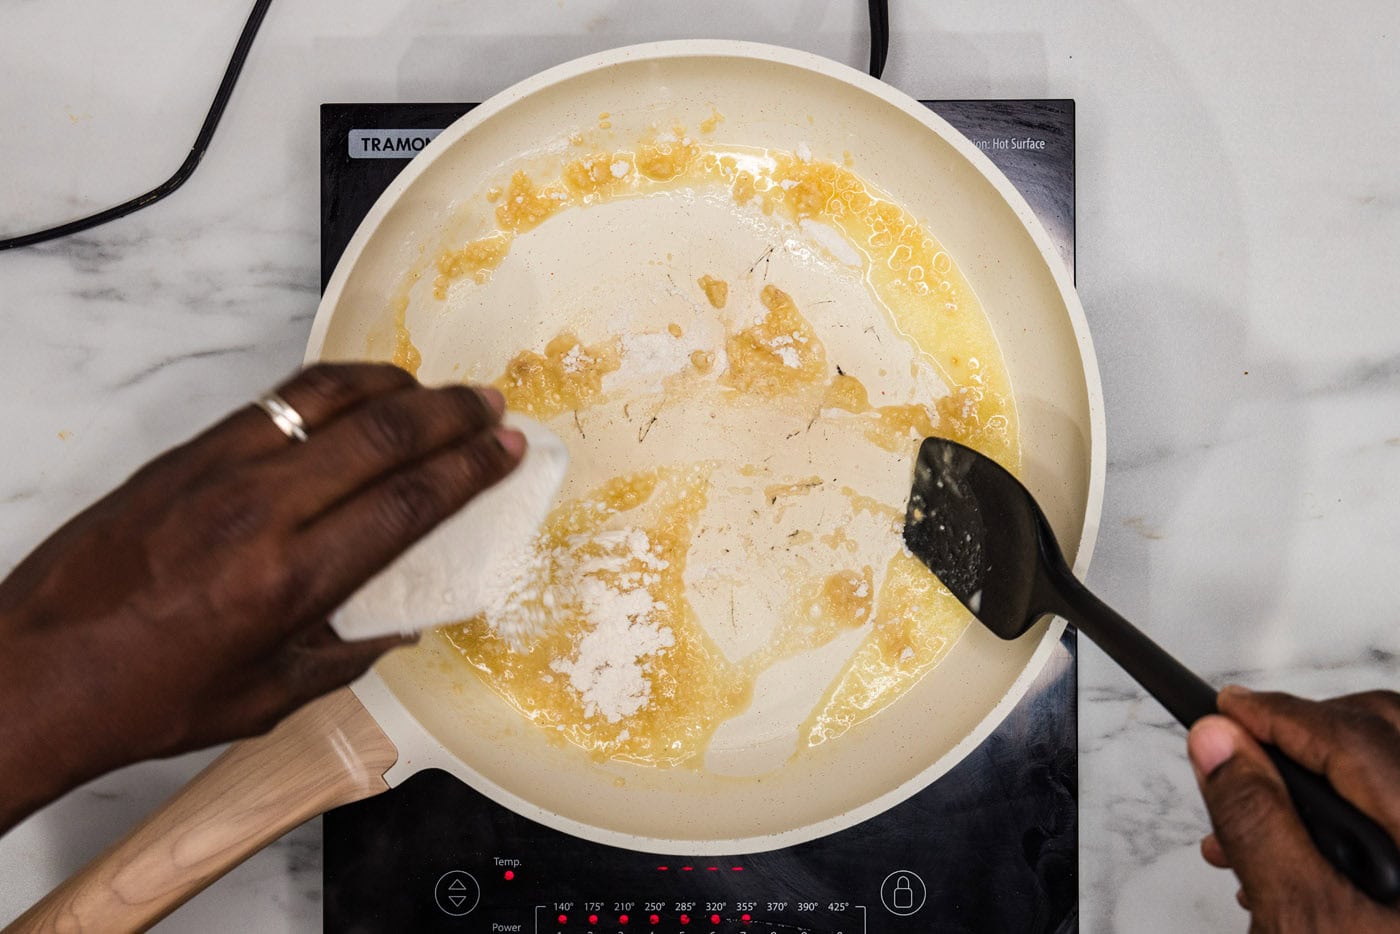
<point>701,917</point>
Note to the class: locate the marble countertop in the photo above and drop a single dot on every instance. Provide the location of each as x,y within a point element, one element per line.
<point>1238,218</point>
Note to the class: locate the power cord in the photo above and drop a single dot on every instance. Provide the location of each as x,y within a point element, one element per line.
<point>879,36</point>
<point>879,49</point>
<point>186,169</point>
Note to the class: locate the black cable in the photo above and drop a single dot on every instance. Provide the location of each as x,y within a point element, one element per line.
<point>186,169</point>
<point>879,36</point>
<point>879,50</point>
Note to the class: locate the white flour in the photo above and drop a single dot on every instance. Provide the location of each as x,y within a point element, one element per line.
<point>609,666</point>
<point>783,346</point>
<point>833,241</point>
<point>575,359</point>
<point>518,608</point>
<point>649,357</point>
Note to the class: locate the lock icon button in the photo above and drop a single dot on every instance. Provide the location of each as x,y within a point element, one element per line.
<point>903,898</point>
<point>903,892</point>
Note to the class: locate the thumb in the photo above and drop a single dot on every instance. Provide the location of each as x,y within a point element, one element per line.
<point>1254,820</point>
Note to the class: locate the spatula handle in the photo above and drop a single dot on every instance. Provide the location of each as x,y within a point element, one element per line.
<point>1179,689</point>
<point>1353,843</point>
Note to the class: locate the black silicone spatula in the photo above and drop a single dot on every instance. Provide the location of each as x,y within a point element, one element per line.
<point>981,532</point>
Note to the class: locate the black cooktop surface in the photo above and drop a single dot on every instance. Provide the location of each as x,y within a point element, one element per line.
<point>992,846</point>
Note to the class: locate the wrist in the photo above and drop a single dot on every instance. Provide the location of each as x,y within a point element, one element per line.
<point>39,762</point>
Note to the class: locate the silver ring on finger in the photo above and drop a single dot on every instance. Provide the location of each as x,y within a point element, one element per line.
<point>287,419</point>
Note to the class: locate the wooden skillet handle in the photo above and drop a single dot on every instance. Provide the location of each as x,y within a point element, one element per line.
<point>329,753</point>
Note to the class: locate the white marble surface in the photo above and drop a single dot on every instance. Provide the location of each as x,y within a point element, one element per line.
<point>1239,223</point>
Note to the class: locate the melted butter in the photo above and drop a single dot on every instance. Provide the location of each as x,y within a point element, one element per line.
<point>599,174</point>
<point>845,598</point>
<point>476,259</point>
<point>915,279</point>
<point>778,491</point>
<point>526,205</point>
<point>567,376</point>
<point>916,622</point>
<point>665,159</point>
<point>743,188</point>
<point>822,609</point>
<point>406,356</point>
<point>892,427</point>
<point>912,621</point>
<point>778,354</point>
<point>929,300</point>
<point>847,394</point>
<point>974,416</point>
<point>713,120</point>
<point>895,427</point>
<point>691,689</point>
<point>867,504</point>
<point>837,538</point>
<point>716,290</point>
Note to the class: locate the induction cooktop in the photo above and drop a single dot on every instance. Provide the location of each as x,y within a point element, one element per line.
<point>992,846</point>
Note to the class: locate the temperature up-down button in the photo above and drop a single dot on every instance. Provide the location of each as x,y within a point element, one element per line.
<point>457,893</point>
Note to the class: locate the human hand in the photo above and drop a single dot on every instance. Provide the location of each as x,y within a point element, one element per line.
<point>189,606</point>
<point>1285,883</point>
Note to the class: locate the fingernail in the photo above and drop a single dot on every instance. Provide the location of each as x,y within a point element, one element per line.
<point>512,441</point>
<point>493,398</point>
<point>1232,693</point>
<point>1211,743</point>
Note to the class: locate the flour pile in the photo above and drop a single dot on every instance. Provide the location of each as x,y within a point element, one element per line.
<point>606,578</point>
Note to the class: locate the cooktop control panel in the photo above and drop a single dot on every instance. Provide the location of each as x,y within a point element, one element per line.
<point>649,895</point>
<point>437,856</point>
<point>991,846</point>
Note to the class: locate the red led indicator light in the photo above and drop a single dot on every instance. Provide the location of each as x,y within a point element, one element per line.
<point>655,919</point>
<point>592,919</point>
<point>714,919</point>
<point>685,919</point>
<point>510,874</point>
<point>621,919</point>
<point>563,919</point>
<point>745,918</point>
